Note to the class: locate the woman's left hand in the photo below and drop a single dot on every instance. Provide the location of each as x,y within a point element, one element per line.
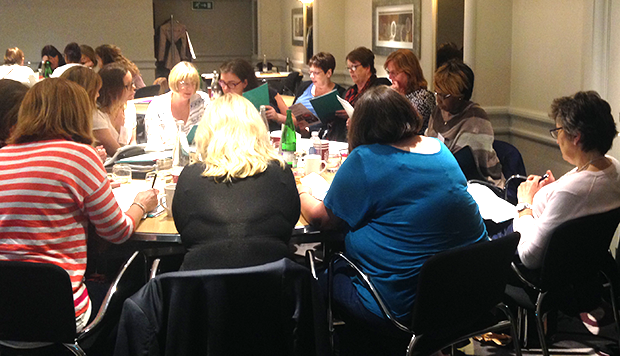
<point>271,113</point>
<point>101,153</point>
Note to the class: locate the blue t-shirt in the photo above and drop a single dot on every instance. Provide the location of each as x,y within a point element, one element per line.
<point>401,208</point>
<point>305,99</point>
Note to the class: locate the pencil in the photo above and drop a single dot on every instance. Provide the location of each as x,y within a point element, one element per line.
<point>154,179</point>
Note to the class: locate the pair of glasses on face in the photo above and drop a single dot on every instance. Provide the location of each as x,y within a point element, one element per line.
<point>230,84</point>
<point>443,96</point>
<point>315,73</point>
<point>554,132</point>
<point>183,84</point>
<point>353,68</point>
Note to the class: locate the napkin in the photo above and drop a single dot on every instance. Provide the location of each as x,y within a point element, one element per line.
<point>317,183</point>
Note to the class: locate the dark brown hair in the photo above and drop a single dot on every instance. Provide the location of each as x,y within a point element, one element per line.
<point>243,70</point>
<point>11,95</point>
<point>383,116</point>
<point>323,60</point>
<point>364,56</point>
<point>112,88</point>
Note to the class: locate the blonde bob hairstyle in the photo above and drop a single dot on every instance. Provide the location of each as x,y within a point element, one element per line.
<point>233,141</point>
<point>54,108</point>
<point>183,72</point>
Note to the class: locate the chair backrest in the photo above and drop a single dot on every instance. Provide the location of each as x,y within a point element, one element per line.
<point>291,82</point>
<point>510,158</point>
<point>36,303</point>
<point>267,309</point>
<point>577,249</point>
<point>465,159</point>
<point>150,90</point>
<point>457,286</point>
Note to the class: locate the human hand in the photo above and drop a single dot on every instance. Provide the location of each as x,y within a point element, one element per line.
<point>101,153</point>
<point>301,189</point>
<point>271,113</point>
<point>529,188</point>
<point>396,87</point>
<point>148,198</point>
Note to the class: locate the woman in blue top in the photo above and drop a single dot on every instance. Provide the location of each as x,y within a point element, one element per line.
<point>401,197</point>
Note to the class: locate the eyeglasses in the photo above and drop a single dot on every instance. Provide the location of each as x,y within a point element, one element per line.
<point>393,73</point>
<point>230,85</point>
<point>183,84</point>
<point>444,96</point>
<point>353,68</point>
<point>554,132</point>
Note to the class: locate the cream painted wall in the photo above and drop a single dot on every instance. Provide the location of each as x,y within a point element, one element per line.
<point>30,25</point>
<point>614,73</point>
<point>547,51</point>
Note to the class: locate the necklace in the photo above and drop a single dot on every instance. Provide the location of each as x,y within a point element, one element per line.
<point>579,169</point>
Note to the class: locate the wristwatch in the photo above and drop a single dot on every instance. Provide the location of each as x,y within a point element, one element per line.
<point>523,206</point>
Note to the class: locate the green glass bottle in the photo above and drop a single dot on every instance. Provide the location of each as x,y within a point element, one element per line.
<point>47,69</point>
<point>288,141</point>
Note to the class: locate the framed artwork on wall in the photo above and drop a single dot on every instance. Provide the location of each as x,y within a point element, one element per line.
<point>297,26</point>
<point>395,25</point>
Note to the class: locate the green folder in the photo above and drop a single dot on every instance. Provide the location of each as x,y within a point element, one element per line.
<point>258,96</point>
<point>326,106</point>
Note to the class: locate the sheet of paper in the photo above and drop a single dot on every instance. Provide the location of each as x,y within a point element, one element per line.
<point>491,206</point>
<point>346,105</point>
<point>317,183</point>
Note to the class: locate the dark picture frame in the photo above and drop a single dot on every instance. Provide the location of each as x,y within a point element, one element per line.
<point>396,25</point>
<point>297,26</point>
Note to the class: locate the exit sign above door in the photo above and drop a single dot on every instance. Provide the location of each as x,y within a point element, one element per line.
<point>202,5</point>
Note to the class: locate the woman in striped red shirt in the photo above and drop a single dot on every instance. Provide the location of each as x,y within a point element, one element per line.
<point>53,185</point>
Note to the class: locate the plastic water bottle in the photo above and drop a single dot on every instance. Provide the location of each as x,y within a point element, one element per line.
<point>316,143</point>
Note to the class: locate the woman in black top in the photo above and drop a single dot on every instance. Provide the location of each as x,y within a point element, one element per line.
<point>238,206</point>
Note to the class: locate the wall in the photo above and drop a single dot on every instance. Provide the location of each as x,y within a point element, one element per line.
<point>30,25</point>
<point>217,35</point>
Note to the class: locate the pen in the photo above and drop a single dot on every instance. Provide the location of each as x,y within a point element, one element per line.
<point>543,177</point>
<point>154,179</point>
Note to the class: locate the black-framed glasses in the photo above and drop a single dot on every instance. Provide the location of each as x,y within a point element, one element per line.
<point>230,84</point>
<point>554,132</point>
<point>353,68</point>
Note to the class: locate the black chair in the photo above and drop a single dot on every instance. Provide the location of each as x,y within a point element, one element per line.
<point>458,291</point>
<point>513,168</point>
<point>261,310</point>
<point>577,254</point>
<point>36,305</point>
<point>150,90</point>
<point>290,83</point>
<point>259,66</point>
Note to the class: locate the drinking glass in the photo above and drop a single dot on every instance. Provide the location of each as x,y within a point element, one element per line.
<point>333,162</point>
<point>121,173</point>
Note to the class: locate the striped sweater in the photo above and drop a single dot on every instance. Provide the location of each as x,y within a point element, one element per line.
<point>49,192</point>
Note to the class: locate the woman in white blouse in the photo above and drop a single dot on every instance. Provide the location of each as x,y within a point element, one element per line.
<point>184,102</point>
<point>109,120</point>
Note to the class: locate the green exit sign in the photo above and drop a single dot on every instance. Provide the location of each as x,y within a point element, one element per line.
<point>202,5</point>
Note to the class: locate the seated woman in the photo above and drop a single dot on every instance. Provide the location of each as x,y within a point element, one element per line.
<point>52,175</point>
<point>460,122</point>
<point>392,229</point>
<point>237,76</point>
<point>109,120</point>
<point>585,130</point>
<point>238,206</point>
<point>14,68</point>
<point>184,102</point>
<point>52,54</point>
<point>407,78</point>
<point>89,57</point>
<point>321,69</point>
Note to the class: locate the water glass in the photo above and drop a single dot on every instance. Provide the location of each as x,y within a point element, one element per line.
<point>121,173</point>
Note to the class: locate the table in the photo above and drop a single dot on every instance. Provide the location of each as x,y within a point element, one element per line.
<point>267,76</point>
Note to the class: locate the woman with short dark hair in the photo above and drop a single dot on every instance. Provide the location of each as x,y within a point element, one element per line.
<point>321,69</point>
<point>400,198</point>
<point>585,130</point>
<point>361,68</point>
<point>11,95</point>
<point>461,122</point>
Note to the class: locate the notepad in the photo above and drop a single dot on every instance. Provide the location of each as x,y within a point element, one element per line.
<point>326,106</point>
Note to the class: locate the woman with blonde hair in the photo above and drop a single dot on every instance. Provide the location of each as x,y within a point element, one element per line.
<point>407,78</point>
<point>238,205</point>
<point>51,174</point>
<point>184,102</point>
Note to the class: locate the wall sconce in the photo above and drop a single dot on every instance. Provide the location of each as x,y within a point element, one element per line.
<point>306,2</point>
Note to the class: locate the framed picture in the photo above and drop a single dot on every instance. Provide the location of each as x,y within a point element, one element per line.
<point>297,26</point>
<point>396,25</point>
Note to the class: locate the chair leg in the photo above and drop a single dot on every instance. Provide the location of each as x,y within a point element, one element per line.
<point>539,325</point>
<point>614,308</point>
<point>75,349</point>
<point>513,328</point>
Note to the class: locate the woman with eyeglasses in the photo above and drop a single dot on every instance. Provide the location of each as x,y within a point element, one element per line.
<point>109,120</point>
<point>585,130</point>
<point>184,102</point>
<point>322,67</point>
<point>460,122</point>
<point>407,78</point>
<point>237,76</point>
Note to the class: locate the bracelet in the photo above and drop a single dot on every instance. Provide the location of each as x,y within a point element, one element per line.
<point>303,191</point>
<point>140,206</point>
